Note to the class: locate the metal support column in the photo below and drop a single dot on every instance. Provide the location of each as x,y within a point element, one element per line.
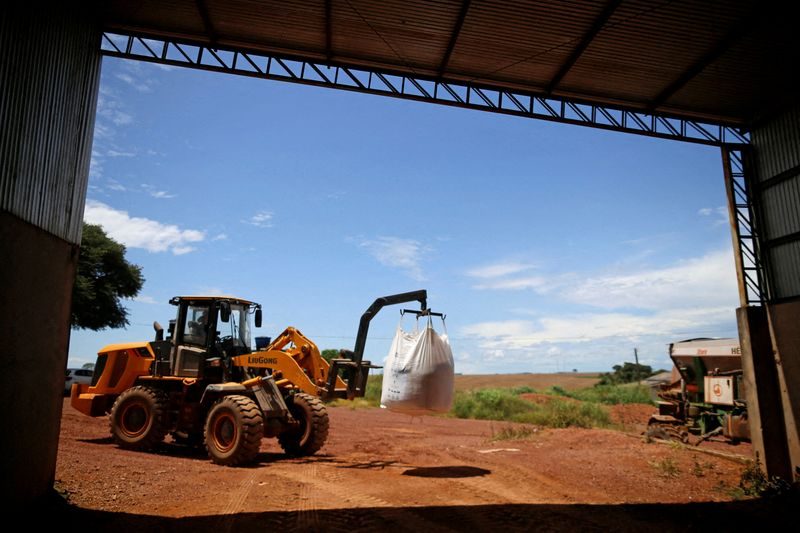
<point>762,384</point>
<point>744,229</point>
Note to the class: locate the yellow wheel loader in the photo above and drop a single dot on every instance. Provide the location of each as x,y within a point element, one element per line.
<point>204,384</point>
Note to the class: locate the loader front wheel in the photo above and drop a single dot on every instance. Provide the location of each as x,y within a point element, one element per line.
<point>309,431</point>
<point>234,429</point>
<point>138,418</point>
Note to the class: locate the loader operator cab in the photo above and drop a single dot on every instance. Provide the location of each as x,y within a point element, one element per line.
<point>208,331</point>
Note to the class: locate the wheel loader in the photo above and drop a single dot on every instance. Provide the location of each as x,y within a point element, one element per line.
<point>204,384</point>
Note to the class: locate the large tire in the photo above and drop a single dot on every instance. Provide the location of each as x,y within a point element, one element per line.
<point>233,431</point>
<point>139,418</point>
<point>311,431</point>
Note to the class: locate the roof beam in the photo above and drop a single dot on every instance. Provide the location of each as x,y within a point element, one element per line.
<point>421,88</point>
<point>202,10</point>
<point>328,31</point>
<point>587,39</point>
<point>723,45</point>
<point>454,36</point>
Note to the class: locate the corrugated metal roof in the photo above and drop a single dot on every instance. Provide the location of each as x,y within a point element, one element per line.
<point>644,47</point>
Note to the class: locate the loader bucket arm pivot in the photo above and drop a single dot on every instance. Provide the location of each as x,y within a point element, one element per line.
<point>357,370</point>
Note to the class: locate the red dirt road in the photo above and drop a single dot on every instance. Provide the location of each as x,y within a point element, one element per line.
<point>396,467</point>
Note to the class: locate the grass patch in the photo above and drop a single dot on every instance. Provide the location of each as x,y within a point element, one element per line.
<point>754,482</point>
<point>372,396</point>
<point>699,469</point>
<point>608,394</point>
<point>515,433</point>
<point>374,388</point>
<point>666,467</point>
<point>505,404</point>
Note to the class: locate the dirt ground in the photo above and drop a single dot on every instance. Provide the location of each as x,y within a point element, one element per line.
<point>383,470</point>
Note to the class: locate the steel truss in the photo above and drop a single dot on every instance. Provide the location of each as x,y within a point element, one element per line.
<point>743,211</point>
<point>419,88</point>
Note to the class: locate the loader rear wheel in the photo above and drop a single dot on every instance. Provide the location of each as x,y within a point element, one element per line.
<point>310,431</point>
<point>139,418</point>
<point>234,429</point>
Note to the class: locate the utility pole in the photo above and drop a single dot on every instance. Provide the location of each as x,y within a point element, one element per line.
<point>636,357</point>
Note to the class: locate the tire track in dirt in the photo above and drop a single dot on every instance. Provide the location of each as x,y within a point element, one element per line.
<point>351,513</point>
<point>512,483</point>
<point>235,503</point>
<point>308,508</point>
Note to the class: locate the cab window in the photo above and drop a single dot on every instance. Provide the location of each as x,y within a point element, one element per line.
<point>196,329</point>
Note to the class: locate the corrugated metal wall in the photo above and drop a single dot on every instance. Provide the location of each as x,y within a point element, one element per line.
<point>777,157</point>
<point>49,74</point>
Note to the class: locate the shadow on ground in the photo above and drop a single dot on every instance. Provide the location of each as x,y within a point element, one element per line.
<point>729,516</point>
<point>447,471</point>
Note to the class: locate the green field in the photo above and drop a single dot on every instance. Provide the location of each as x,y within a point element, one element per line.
<point>548,400</point>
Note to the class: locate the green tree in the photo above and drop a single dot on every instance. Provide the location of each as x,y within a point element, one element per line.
<point>104,276</point>
<point>626,373</point>
<point>329,354</point>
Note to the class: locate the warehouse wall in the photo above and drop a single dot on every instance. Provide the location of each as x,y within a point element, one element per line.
<point>777,194</point>
<point>49,75</point>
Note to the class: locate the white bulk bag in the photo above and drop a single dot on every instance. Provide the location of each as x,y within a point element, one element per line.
<point>418,372</point>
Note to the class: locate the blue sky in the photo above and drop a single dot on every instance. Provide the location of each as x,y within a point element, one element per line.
<point>550,247</point>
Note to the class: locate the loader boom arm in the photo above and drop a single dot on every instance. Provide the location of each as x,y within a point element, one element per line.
<point>352,364</point>
<point>420,296</point>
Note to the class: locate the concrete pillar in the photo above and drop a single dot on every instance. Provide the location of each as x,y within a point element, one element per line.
<point>49,76</point>
<point>784,324</point>
<point>764,407</point>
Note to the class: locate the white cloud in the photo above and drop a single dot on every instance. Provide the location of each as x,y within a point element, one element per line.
<point>498,270</point>
<point>145,299</point>
<point>706,281</point>
<point>211,291</point>
<point>138,232</point>
<point>405,254</point>
<point>586,327</point>
<point>117,153</point>
<point>720,214</point>
<point>262,219</point>
<point>101,131</point>
<point>96,165</point>
<point>645,308</point>
<point>135,80</point>
<point>155,193</point>
<point>709,280</point>
<point>161,194</point>
<point>110,107</point>
<point>514,284</point>
<point>121,119</point>
<point>590,341</point>
<point>220,237</point>
<point>500,276</point>
<point>114,185</point>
